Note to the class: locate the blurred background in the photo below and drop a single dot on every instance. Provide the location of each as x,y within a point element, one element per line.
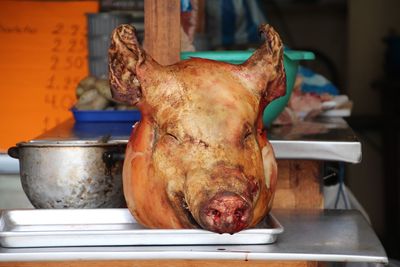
<point>48,47</point>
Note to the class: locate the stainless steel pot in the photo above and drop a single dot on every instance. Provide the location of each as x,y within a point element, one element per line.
<point>75,174</point>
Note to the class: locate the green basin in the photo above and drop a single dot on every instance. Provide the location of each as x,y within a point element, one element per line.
<point>291,63</point>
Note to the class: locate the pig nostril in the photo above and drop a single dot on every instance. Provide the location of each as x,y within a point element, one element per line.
<point>215,213</point>
<point>238,214</point>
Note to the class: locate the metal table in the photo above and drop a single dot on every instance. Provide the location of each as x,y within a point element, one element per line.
<point>329,139</point>
<point>330,235</point>
<point>323,139</point>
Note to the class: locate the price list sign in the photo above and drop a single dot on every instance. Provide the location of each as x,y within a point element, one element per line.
<point>43,56</point>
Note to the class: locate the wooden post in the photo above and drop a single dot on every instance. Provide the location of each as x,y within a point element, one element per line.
<point>162,30</point>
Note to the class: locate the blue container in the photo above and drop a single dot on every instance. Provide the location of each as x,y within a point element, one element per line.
<point>106,115</point>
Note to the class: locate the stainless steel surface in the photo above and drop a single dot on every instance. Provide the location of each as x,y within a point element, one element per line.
<point>322,139</point>
<point>324,150</point>
<point>339,236</point>
<point>108,227</point>
<point>70,176</point>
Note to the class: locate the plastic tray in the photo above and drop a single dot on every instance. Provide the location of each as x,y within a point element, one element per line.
<point>106,115</point>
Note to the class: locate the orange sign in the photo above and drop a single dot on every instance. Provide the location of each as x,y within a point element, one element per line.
<point>43,55</point>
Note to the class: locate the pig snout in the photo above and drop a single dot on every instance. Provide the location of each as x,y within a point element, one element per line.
<point>226,212</point>
<point>221,198</point>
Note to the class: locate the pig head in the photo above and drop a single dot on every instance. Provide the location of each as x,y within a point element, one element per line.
<point>199,157</point>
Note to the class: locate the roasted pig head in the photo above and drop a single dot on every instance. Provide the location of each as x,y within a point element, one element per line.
<point>199,157</point>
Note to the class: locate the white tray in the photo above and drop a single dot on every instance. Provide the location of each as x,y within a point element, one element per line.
<point>109,227</point>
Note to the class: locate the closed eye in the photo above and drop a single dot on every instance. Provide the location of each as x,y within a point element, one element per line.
<point>172,136</point>
<point>247,134</point>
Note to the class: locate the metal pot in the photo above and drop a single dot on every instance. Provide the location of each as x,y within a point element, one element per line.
<point>78,174</point>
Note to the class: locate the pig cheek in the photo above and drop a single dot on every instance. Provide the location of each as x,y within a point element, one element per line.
<point>166,163</point>
<point>169,168</point>
<point>254,170</point>
<point>267,185</point>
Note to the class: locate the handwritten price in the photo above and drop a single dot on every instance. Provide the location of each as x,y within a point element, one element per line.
<point>73,45</point>
<point>68,55</point>
<point>66,63</point>
<point>63,83</point>
<point>61,28</point>
<point>59,101</point>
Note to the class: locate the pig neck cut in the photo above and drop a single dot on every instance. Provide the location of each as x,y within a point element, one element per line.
<point>199,157</point>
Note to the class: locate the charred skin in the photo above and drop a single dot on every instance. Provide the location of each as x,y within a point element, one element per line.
<point>200,156</point>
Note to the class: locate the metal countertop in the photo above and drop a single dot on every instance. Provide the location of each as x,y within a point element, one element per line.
<point>319,235</point>
<point>323,139</point>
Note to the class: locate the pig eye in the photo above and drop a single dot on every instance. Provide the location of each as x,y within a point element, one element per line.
<point>172,136</point>
<point>247,134</point>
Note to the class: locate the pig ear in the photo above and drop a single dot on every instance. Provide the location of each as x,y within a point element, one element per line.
<point>265,67</point>
<point>125,56</point>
